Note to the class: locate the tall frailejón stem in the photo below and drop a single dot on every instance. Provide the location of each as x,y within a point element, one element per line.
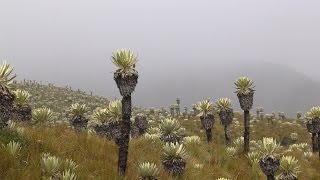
<point>246,131</point>
<point>125,131</point>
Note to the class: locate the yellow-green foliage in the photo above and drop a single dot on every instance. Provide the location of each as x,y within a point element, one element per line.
<point>5,77</point>
<point>77,109</point>
<point>192,140</point>
<point>173,150</point>
<point>148,170</point>
<point>169,126</point>
<point>112,113</point>
<point>100,115</point>
<point>42,115</point>
<point>254,157</point>
<point>115,110</point>
<point>52,166</point>
<point>244,85</point>
<point>268,146</point>
<point>204,107</point>
<point>13,148</point>
<point>21,98</point>
<point>69,175</point>
<point>231,151</point>
<point>125,60</point>
<point>151,137</point>
<point>313,113</point>
<point>289,166</point>
<point>223,104</point>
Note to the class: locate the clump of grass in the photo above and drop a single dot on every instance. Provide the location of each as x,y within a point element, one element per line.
<point>7,135</point>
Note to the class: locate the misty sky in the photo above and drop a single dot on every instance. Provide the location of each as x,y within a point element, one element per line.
<point>69,42</point>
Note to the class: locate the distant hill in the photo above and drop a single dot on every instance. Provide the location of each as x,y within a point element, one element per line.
<point>59,99</point>
<point>278,88</point>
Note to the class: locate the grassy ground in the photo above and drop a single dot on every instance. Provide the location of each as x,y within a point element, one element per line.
<point>97,157</point>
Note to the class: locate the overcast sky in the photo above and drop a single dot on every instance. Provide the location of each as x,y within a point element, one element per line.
<point>69,42</point>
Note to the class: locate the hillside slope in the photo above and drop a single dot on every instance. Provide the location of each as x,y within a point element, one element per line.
<point>59,99</point>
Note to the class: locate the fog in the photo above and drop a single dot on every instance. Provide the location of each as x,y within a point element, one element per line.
<point>69,42</point>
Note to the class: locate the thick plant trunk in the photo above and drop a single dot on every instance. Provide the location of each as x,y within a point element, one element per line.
<point>226,118</point>
<point>141,132</point>
<point>176,166</point>
<point>141,123</point>
<point>270,177</point>
<point>227,134</point>
<point>79,123</point>
<point>319,143</point>
<point>269,166</point>
<point>207,123</point>
<point>6,108</point>
<point>246,131</point>
<point>314,142</point>
<point>209,135</point>
<point>125,135</point>
<point>22,113</point>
